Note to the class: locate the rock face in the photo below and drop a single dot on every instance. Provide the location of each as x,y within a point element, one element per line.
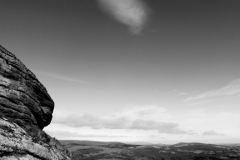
<point>23,98</point>
<point>17,144</point>
<point>25,109</point>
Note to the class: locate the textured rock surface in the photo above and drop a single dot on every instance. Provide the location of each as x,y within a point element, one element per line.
<point>16,144</point>
<point>23,98</point>
<point>25,109</point>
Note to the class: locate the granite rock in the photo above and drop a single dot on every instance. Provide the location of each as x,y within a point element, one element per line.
<point>25,109</point>
<point>17,144</point>
<point>23,99</point>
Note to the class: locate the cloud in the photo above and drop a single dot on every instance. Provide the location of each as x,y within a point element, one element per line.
<point>98,122</point>
<point>66,134</point>
<point>162,127</point>
<point>143,111</point>
<point>212,133</point>
<point>93,121</point>
<point>62,77</point>
<point>182,94</point>
<point>231,89</point>
<point>132,13</point>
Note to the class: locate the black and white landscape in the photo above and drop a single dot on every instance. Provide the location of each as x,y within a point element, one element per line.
<point>150,75</point>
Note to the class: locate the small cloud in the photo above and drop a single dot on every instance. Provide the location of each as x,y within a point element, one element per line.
<point>140,111</point>
<point>132,13</point>
<point>67,134</point>
<point>212,133</point>
<point>196,103</point>
<point>182,93</point>
<point>98,122</point>
<point>231,89</point>
<point>93,121</point>
<point>162,127</point>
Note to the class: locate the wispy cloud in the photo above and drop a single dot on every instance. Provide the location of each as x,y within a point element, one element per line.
<point>231,89</point>
<point>133,13</point>
<point>162,127</point>
<point>66,134</point>
<point>99,122</point>
<point>182,94</point>
<point>143,111</point>
<point>212,133</point>
<point>61,77</point>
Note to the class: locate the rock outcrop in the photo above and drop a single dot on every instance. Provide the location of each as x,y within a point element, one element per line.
<point>17,144</point>
<point>25,109</point>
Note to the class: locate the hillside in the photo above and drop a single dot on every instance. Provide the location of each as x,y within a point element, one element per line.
<point>93,150</point>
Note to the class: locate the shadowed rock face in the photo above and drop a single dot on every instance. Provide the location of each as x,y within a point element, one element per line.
<point>23,99</point>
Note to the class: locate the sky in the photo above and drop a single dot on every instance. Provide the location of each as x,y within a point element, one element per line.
<point>158,71</point>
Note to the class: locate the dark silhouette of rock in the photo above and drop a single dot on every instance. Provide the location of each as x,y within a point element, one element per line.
<point>25,109</point>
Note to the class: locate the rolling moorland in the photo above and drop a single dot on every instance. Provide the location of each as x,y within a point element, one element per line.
<point>91,150</point>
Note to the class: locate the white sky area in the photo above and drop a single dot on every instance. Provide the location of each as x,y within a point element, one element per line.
<point>210,117</point>
<point>133,70</point>
<point>127,107</point>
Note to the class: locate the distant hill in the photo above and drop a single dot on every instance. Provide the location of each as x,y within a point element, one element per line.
<point>199,146</point>
<point>93,150</point>
<point>96,143</point>
<point>182,144</point>
<point>231,144</point>
<point>74,145</point>
<point>139,143</point>
<point>79,142</point>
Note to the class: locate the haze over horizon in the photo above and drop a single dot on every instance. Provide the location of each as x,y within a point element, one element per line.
<point>158,71</point>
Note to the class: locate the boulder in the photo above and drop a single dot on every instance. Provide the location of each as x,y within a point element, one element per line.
<point>25,109</point>
<point>23,99</point>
